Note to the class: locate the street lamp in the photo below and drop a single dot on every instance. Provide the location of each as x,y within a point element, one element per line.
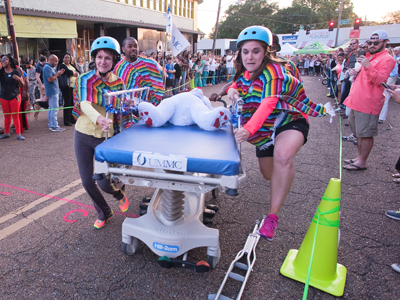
<point>338,23</point>
<point>216,23</point>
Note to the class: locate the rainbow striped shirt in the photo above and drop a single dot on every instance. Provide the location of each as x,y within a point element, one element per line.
<point>89,87</point>
<point>275,82</point>
<point>144,72</point>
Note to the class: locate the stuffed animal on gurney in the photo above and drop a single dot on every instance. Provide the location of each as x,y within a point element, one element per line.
<point>184,109</point>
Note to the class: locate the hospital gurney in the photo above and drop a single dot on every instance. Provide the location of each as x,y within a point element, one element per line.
<point>188,162</point>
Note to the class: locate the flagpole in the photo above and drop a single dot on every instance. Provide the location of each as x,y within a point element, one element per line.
<point>164,61</point>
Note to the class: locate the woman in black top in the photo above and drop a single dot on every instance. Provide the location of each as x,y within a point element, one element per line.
<point>67,86</point>
<point>11,78</point>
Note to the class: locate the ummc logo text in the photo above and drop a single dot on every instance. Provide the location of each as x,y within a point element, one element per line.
<point>158,161</point>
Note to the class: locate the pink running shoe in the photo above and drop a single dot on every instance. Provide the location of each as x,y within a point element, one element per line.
<point>268,229</point>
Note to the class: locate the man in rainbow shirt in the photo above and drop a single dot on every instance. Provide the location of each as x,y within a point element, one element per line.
<point>138,71</point>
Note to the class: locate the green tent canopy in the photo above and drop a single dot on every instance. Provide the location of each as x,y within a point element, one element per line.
<point>314,48</point>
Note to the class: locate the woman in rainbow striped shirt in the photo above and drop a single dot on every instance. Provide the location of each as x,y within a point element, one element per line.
<point>274,116</point>
<point>92,124</point>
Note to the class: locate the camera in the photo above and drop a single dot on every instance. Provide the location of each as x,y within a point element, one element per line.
<point>361,52</point>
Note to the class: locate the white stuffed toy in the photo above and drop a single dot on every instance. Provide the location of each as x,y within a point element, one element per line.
<point>184,109</point>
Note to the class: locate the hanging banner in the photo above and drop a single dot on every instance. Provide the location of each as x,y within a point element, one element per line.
<point>38,27</point>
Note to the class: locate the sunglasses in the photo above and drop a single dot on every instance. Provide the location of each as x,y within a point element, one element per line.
<point>353,44</point>
<point>376,43</point>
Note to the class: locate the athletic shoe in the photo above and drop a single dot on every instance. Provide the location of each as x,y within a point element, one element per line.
<point>393,214</point>
<point>20,137</point>
<point>4,136</point>
<point>124,204</point>
<point>57,129</point>
<point>100,223</point>
<point>268,229</point>
<point>350,138</point>
<point>396,267</point>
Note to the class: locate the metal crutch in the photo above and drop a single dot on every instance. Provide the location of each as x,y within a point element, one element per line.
<point>249,250</point>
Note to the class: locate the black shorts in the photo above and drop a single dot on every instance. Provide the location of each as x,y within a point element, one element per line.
<point>299,125</point>
<point>169,82</point>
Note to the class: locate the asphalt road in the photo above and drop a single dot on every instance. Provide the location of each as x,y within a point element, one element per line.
<point>43,255</point>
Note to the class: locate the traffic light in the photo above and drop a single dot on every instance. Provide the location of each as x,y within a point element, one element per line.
<point>308,29</point>
<point>294,29</point>
<point>331,26</point>
<point>357,23</point>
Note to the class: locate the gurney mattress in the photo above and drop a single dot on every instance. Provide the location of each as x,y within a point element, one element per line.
<point>212,152</point>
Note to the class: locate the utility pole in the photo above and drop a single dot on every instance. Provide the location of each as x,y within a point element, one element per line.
<point>11,30</point>
<point>338,23</point>
<point>216,27</point>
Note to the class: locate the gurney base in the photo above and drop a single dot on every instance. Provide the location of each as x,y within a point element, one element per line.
<point>173,238</point>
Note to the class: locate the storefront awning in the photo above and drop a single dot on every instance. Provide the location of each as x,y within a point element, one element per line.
<point>38,27</point>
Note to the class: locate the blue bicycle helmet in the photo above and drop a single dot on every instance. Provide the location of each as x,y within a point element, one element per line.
<point>105,42</point>
<point>257,33</point>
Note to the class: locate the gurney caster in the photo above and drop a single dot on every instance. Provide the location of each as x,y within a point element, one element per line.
<point>214,254</point>
<point>130,249</point>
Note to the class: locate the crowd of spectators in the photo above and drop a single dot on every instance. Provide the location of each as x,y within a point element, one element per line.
<point>362,78</point>
<point>194,70</point>
<point>38,88</point>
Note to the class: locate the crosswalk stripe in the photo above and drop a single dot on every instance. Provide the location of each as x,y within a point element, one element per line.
<point>38,214</point>
<point>31,205</point>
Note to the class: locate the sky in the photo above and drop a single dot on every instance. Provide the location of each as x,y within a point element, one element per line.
<point>374,11</point>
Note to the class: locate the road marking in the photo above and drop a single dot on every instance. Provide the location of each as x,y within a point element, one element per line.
<point>31,205</point>
<point>38,214</point>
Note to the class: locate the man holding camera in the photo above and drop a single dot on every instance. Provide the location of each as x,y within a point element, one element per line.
<point>351,59</point>
<point>366,96</point>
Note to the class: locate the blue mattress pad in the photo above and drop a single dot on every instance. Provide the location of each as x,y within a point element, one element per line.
<point>212,152</point>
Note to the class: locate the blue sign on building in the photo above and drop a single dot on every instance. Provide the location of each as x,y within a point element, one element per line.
<point>291,39</point>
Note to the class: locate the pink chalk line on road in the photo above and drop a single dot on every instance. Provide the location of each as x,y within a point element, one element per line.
<point>62,199</point>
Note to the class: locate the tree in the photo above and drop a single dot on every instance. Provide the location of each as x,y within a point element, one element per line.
<point>391,18</point>
<point>284,19</point>
<point>316,13</point>
<point>327,10</point>
<point>239,16</point>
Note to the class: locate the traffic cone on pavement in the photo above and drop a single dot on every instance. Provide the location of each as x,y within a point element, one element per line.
<point>326,274</point>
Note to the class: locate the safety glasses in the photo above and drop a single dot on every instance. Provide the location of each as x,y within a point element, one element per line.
<point>376,43</point>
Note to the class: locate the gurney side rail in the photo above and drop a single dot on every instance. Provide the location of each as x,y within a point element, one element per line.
<point>231,182</point>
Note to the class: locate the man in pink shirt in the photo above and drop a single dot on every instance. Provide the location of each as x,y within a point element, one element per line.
<point>366,97</point>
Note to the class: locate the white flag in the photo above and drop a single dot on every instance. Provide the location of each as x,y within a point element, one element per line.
<point>169,20</point>
<point>178,41</point>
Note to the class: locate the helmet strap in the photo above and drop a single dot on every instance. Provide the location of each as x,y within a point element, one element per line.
<point>105,74</point>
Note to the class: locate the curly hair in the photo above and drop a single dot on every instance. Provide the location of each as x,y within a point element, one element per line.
<point>12,61</point>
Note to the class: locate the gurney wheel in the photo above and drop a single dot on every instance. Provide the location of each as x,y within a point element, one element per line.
<point>215,193</point>
<point>212,261</point>
<point>130,249</point>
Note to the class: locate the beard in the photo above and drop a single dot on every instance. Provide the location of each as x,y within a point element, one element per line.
<point>380,49</point>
